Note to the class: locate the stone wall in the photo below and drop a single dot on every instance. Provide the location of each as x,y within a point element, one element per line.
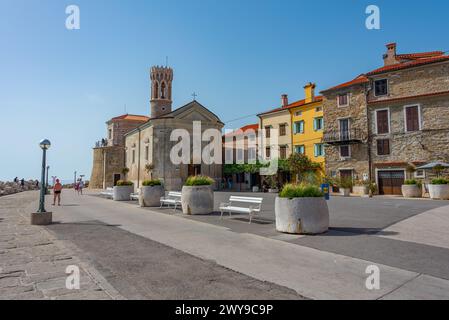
<point>7,188</point>
<point>114,165</point>
<point>429,144</point>
<point>415,81</point>
<point>356,112</point>
<point>119,129</point>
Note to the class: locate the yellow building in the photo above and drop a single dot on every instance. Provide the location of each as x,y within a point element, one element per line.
<point>307,125</point>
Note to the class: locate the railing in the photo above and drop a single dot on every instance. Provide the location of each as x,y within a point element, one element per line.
<point>101,143</point>
<point>344,136</point>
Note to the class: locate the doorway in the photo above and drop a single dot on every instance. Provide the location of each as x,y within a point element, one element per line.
<point>390,182</point>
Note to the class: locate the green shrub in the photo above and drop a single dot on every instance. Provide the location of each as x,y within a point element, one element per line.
<point>300,191</point>
<point>440,181</point>
<point>199,181</point>
<point>123,183</point>
<point>345,183</point>
<point>411,182</point>
<point>151,183</point>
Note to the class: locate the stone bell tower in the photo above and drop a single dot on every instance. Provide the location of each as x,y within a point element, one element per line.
<point>161,91</point>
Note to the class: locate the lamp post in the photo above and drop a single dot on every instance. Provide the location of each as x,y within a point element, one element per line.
<point>45,145</point>
<point>46,180</point>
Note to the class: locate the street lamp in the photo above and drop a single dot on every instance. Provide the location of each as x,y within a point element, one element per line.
<point>46,180</point>
<point>45,145</point>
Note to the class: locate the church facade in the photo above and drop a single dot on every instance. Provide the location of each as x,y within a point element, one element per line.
<point>147,145</point>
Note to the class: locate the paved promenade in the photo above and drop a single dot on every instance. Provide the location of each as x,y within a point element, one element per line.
<point>143,253</point>
<point>33,262</point>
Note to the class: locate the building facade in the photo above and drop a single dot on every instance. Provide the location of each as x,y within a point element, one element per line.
<point>307,123</point>
<point>388,120</point>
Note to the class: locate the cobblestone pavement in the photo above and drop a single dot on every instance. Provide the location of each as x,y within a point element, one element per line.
<point>33,262</point>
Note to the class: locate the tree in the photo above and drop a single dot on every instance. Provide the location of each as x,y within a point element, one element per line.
<point>298,163</point>
<point>149,170</point>
<point>125,172</point>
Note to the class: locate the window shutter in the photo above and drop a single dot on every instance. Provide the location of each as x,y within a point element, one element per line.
<point>412,118</point>
<point>382,122</point>
<point>301,124</point>
<point>315,125</point>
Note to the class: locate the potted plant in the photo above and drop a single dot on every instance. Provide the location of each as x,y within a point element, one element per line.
<point>272,185</point>
<point>439,189</point>
<point>149,170</point>
<point>151,193</point>
<point>197,195</point>
<point>301,209</point>
<point>411,189</point>
<point>122,191</point>
<point>345,185</point>
<point>125,171</point>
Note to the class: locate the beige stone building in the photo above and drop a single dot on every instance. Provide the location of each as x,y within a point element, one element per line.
<point>147,146</point>
<point>389,119</point>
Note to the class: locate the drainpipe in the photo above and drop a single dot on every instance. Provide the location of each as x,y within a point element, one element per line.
<point>369,140</point>
<point>138,161</point>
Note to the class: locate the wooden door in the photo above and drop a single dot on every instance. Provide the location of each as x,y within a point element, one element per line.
<point>390,182</point>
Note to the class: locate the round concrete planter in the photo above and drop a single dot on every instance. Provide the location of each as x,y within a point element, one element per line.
<point>411,191</point>
<point>122,193</point>
<point>150,196</point>
<point>361,190</point>
<point>439,191</point>
<point>345,192</point>
<point>301,215</point>
<point>197,200</point>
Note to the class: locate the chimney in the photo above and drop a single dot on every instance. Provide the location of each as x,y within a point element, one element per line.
<point>309,92</point>
<point>284,100</point>
<point>390,56</point>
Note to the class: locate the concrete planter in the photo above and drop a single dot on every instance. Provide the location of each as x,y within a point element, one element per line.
<point>345,192</point>
<point>197,200</point>
<point>302,215</point>
<point>122,193</point>
<point>150,196</point>
<point>439,191</point>
<point>411,191</point>
<point>361,190</point>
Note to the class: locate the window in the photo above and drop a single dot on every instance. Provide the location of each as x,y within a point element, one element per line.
<point>251,154</point>
<point>381,87</point>
<point>299,127</point>
<point>134,156</point>
<point>283,152</point>
<point>383,147</point>
<point>343,100</point>
<point>240,155</point>
<point>282,130</point>
<point>229,156</point>
<point>319,150</point>
<point>298,113</point>
<point>252,137</point>
<point>420,174</point>
<point>147,153</point>
<point>344,129</point>
<point>267,132</point>
<point>345,152</point>
<point>110,133</point>
<point>268,152</point>
<point>383,121</point>
<point>300,149</point>
<point>318,124</point>
<point>412,121</point>
<point>318,109</point>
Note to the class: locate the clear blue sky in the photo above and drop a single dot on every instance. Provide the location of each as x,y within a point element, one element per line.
<point>238,55</point>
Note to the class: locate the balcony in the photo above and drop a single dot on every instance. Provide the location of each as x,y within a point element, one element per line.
<point>352,136</point>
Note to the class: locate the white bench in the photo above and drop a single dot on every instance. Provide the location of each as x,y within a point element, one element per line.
<point>173,198</point>
<point>231,206</point>
<point>135,196</point>
<point>108,192</point>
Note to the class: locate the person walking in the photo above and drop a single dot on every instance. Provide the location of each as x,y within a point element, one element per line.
<point>80,186</point>
<point>22,183</point>
<point>57,190</point>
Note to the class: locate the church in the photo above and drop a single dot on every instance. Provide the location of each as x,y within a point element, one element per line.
<point>142,143</point>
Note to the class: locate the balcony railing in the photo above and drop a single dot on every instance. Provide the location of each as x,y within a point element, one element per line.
<point>340,137</point>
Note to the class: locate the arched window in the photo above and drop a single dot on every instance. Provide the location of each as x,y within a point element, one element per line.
<point>163,90</point>
<point>156,90</point>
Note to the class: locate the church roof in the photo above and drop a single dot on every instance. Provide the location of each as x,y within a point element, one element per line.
<point>131,117</point>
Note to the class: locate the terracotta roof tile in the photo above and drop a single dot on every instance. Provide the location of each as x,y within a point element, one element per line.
<point>295,104</point>
<point>409,64</point>
<point>132,117</point>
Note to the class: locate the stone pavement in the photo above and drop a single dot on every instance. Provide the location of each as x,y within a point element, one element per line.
<point>33,262</point>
